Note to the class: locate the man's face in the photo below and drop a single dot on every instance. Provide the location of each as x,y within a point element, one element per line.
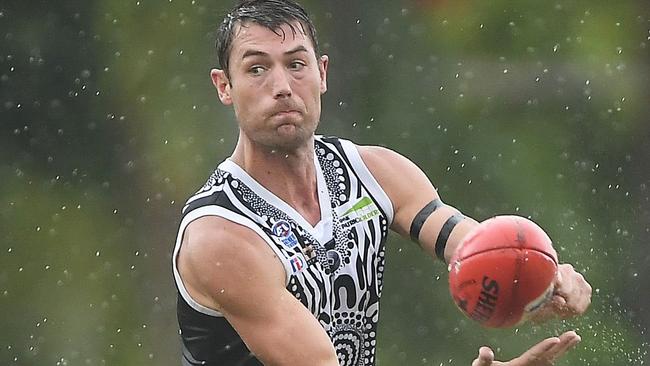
<point>274,85</point>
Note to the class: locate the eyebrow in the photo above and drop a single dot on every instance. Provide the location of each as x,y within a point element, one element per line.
<point>251,53</point>
<point>296,50</point>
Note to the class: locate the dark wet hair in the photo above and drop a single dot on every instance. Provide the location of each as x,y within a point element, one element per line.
<point>272,14</point>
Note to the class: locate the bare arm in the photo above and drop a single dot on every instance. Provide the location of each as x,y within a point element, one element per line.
<point>572,292</point>
<point>227,267</point>
<point>392,171</point>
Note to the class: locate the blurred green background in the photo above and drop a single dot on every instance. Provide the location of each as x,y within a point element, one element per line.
<point>109,121</point>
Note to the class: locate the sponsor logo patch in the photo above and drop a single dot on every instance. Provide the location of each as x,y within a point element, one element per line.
<point>282,229</point>
<point>297,263</point>
<point>363,210</point>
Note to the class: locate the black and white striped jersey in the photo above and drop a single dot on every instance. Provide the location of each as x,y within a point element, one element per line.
<point>334,268</point>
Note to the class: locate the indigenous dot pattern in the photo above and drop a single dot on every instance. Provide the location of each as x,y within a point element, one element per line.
<point>341,284</point>
<point>268,215</point>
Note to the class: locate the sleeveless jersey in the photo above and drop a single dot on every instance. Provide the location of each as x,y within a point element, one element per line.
<point>334,268</point>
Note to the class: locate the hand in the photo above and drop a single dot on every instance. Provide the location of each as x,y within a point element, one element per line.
<point>543,353</point>
<point>571,296</point>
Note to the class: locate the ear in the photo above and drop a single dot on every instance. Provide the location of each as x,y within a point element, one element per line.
<point>222,84</point>
<point>322,69</point>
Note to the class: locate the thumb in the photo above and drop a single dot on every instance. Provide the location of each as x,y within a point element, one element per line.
<point>485,357</point>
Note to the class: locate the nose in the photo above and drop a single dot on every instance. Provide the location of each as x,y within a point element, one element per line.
<point>281,84</point>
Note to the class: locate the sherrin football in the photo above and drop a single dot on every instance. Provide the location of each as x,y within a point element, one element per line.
<point>503,272</point>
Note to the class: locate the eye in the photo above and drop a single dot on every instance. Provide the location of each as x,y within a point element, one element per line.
<point>256,70</point>
<point>296,65</point>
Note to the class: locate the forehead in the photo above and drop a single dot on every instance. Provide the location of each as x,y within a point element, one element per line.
<point>250,35</point>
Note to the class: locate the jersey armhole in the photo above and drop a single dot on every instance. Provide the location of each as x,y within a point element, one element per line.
<point>213,210</point>
<point>368,179</point>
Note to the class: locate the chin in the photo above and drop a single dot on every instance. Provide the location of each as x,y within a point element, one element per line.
<point>289,141</point>
<point>293,144</point>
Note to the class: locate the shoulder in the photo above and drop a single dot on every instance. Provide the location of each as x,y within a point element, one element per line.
<point>213,236</point>
<point>379,157</point>
<point>217,254</point>
<point>391,169</point>
<point>406,185</point>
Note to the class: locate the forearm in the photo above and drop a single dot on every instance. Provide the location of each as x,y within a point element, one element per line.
<point>457,235</point>
<point>409,200</point>
<point>282,332</point>
<point>285,345</point>
<point>439,234</point>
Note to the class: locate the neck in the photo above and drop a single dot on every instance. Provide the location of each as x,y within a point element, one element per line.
<point>290,175</point>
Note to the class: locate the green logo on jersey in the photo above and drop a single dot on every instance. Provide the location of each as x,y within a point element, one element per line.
<point>364,210</point>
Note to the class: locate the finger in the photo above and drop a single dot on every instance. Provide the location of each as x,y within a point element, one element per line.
<point>568,340</point>
<point>558,301</point>
<point>558,305</point>
<point>571,304</point>
<point>485,357</point>
<point>539,352</point>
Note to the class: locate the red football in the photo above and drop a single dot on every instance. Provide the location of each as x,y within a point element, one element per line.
<point>503,272</point>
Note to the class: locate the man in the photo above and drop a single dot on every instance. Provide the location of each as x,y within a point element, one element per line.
<point>279,257</point>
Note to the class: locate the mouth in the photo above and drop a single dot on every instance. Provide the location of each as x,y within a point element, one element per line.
<point>286,113</point>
